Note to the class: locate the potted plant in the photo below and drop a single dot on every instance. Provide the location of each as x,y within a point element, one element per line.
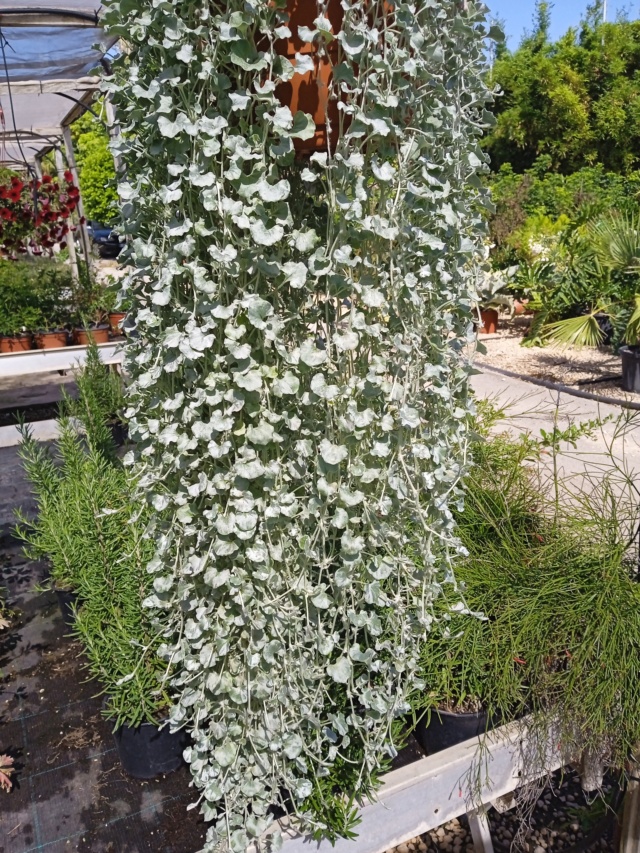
<point>92,530</point>
<point>610,246</point>
<point>15,335</point>
<point>492,298</point>
<point>99,400</point>
<point>550,589</point>
<point>472,678</point>
<point>35,214</point>
<point>115,309</point>
<point>91,320</point>
<point>279,297</point>
<point>52,294</point>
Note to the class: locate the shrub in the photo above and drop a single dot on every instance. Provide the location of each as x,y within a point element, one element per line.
<point>34,296</point>
<point>91,528</point>
<point>96,168</point>
<point>549,567</point>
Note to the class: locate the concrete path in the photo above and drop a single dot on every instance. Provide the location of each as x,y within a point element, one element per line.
<point>531,409</point>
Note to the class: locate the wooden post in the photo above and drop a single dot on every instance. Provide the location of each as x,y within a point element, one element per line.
<point>71,244</point>
<point>73,168</point>
<point>630,840</point>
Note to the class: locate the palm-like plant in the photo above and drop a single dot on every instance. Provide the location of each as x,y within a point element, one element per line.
<point>613,245</point>
<point>616,241</point>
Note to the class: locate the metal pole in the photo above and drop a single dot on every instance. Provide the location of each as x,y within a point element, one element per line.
<point>630,841</point>
<point>114,135</point>
<point>73,168</point>
<point>604,11</point>
<point>71,245</point>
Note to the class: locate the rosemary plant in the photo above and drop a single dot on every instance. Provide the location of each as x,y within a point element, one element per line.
<point>91,528</point>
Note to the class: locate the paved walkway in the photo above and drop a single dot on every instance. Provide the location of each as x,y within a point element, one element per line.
<point>530,408</point>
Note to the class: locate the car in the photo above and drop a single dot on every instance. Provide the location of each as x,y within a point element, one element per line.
<point>105,239</point>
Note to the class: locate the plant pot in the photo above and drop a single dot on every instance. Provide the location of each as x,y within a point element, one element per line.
<point>309,92</point>
<point>444,729</point>
<point>15,343</point>
<point>119,433</point>
<point>51,340</point>
<point>67,600</point>
<point>630,368</point>
<point>147,751</point>
<point>115,322</point>
<point>83,337</point>
<point>520,307</point>
<point>489,321</point>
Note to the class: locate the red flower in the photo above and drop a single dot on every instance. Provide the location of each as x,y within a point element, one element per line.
<point>14,195</point>
<point>46,179</point>
<point>68,176</point>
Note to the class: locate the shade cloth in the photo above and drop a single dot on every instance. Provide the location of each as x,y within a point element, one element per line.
<point>35,52</point>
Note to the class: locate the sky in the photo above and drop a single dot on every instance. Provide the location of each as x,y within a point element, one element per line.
<point>518,14</point>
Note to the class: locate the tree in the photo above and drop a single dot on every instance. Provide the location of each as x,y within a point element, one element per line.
<point>96,168</point>
<point>576,100</point>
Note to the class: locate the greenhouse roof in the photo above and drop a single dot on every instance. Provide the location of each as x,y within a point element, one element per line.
<point>48,51</point>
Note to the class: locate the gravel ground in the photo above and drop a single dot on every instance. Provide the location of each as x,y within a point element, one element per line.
<point>596,370</point>
<point>561,818</point>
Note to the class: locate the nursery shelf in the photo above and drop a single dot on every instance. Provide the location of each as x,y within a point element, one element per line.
<point>434,790</point>
<point>45,360</point>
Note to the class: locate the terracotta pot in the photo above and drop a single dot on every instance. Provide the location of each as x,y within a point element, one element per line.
<point>83,337</point>
<point>51,340</point>
<point>115,319</point>
<point>520,307</point>
<point>489,321</point>
<point>15,343</point>
<point>309,92</point>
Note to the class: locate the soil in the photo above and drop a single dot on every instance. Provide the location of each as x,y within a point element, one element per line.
<point>595,370</point>
<point>30,414</point>
<point>70,793</point>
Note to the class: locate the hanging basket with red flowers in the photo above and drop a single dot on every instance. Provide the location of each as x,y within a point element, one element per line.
<point>35,214</point>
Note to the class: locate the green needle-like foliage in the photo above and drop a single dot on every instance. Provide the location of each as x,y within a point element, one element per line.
<point>557,587</point>
<point>92,531</point>
<point>99,401</point>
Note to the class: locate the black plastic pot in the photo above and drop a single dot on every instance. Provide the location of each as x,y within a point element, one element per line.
<point>630,368</point>
<point>119,433</point>
<point>67,601</point>
<point>147,751</point>
<point>444,729</point>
